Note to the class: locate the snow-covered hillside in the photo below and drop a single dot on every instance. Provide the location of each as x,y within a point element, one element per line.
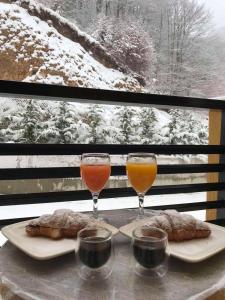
<point>33,50</point>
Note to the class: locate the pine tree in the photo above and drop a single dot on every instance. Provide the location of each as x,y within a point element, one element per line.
<point>185,129</point>
<point>4,124</point>
<point>96,129</point>
<point>173,126</point>
<point>82,132</point>
<point>49,133</point>
<point>203,135</point>
<point>60,125</point>
<point>11,120</point>
<point>65,124</point>
<point>127,125</point>
<point>30,123</point>
<point>148,122</point>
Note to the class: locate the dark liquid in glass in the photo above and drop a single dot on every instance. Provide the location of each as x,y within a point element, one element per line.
<point>95,252</point>
<point>148,257</point>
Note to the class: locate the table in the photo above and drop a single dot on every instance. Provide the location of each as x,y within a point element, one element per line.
<point>25,278</point>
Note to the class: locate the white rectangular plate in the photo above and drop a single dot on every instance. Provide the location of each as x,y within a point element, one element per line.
<point>42,248</point>
<point>192,251</point>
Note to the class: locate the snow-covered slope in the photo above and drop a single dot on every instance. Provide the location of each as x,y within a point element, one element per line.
<point>33,50</point>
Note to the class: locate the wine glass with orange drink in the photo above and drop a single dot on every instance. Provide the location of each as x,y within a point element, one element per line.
<point>95,170</point>
<point>141,172</point>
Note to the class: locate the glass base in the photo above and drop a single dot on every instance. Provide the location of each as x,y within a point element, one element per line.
<point>99,218</point>
<point>148,213</point>
<point>102,273</point>
<point>157,272</point>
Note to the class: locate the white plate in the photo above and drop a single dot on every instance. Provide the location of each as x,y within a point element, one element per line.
<point>192,251</point>
<point>42,248</point>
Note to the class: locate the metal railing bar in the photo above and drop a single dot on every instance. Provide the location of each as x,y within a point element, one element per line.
<point>56,92</point>
<point>37,198</point>
<point>78,149</point>
<point>193,206</point>
<point>74,172</point>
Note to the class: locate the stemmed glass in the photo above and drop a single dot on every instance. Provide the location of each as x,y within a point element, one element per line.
<point>141,171</point>
<point>95,170</point>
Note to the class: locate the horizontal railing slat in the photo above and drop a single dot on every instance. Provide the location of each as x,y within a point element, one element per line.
<point>191,168</point>
<point>193,206</point>
<point>37,198</point>
<point>179,207</point>
<point>78,149</point>
<point>74,172</point>
<point>43,91</point>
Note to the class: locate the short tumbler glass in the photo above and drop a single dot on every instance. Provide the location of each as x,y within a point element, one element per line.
<point>95,253</point>
<point>150,251</point>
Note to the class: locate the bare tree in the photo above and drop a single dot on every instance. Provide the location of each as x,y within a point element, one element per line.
<point>128,43</point>
<point>187,22</point>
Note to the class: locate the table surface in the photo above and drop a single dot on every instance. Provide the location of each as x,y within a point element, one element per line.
<point>57,279</point>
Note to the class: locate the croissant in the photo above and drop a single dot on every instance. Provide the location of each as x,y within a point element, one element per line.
<point>179,227</point>
<point>62,223</point>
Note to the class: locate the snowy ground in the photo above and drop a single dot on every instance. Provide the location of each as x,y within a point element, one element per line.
<point>33,210</point>
<point>42,161</point>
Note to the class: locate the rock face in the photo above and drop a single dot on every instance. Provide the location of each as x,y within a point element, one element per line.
<point>35,46</point>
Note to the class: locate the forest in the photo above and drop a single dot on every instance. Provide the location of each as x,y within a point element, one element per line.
<point>66,123</point>
<point>173,44</point>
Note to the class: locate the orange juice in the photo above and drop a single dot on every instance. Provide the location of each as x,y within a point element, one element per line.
<point>141,175</point>
<point>95,176</point>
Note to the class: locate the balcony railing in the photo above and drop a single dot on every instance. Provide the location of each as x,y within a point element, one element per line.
<point>52,92</point>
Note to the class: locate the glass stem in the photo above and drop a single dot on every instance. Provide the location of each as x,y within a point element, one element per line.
<point>95,205</point>
<point>141,205</point>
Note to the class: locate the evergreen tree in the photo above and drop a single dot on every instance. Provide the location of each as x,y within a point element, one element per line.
<point>60,127</point>
<point>96,129</point>
<point>82,132</point>
<point>185,129</point>
<point>203,134</point>
<point>4,124</point>
<point>127,125</point>
<point>30,123</point>
<point>11,120</point>
<point>65,126</point>
<point>173,126</point>
<point>148,122</point>
<point>49,133</point>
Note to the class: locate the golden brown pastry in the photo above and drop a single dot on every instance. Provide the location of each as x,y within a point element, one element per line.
<point>180,227</point>
<point>62,223</point>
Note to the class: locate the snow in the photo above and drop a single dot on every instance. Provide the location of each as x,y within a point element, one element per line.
<point>70,160</point>
<point>59,60</point>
